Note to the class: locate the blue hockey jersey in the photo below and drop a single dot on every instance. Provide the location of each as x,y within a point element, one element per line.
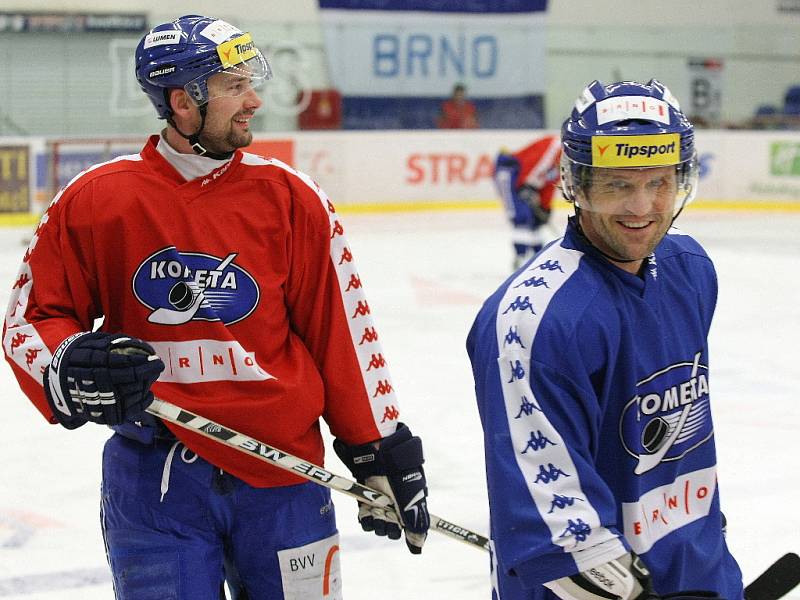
<point>593,390</point>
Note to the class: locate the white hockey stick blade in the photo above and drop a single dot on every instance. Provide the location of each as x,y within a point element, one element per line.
<point>288,462</point>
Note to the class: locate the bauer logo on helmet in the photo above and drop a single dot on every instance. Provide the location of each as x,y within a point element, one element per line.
<point>166,70</point>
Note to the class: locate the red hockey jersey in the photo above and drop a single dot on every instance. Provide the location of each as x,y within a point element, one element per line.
<point>242,281</point>
<point>539,167</point>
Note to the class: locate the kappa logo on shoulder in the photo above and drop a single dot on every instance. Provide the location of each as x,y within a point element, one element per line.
<point>179,287</point>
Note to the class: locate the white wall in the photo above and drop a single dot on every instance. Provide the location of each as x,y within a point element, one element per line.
<point>716,13</point>
<point>587,39</point>
<point>707,13</point>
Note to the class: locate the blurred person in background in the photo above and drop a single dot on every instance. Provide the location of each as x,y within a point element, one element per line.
<point>526,181</point>
<point>222,282</point>
<point>457,112</point>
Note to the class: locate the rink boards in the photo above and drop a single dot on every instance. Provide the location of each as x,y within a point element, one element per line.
<point>375,171</point>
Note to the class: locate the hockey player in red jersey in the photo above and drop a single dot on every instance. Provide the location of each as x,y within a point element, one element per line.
<point>226,286</point>
<point>527,180</point>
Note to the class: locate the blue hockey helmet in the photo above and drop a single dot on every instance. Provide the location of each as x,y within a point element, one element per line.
<point>627,125</point>
<point>186,52</point>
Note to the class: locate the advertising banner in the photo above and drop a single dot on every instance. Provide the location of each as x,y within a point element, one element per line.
<point>749,169</point>
<point>72,22</point>
<point>395,62</point>
<point>415,170</point>
<point>372,171</point>
<point>15,191</point>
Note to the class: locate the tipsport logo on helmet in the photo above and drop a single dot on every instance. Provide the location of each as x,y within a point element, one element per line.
<point>179,287</point>
<point>636,150</point>
<point>668,415</point>
<point>237,51</point>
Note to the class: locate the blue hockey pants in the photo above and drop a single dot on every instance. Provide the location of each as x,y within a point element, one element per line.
<point>176,527</point>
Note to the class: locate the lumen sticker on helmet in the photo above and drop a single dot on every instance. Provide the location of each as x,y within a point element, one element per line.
<point>636,150</point>
<point>161,38</point>
<point>219,31</point>
<point>236,51</point>
<point>622,108</point>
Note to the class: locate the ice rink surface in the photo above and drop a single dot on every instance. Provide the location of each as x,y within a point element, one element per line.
<point>426,274</point>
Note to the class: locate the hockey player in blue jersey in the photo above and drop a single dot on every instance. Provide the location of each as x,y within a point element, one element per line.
<point>592,375</point>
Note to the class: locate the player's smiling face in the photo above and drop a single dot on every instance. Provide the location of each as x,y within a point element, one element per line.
<point>233,103</point>
<point>626,212</point>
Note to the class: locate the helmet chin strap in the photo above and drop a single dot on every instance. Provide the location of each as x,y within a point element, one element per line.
<point>194,138</point>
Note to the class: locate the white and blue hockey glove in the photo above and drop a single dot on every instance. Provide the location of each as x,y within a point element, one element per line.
<point>625,578</point>
<point>100,377</point>
<point>395,469</point>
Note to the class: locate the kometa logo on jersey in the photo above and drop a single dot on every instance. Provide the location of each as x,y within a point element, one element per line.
<point>668,415</point>
<point>191,286</point>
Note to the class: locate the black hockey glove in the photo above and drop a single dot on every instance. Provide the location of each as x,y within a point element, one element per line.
<point>395,469</point>
<point>530,196</point>
<point>100,377</point>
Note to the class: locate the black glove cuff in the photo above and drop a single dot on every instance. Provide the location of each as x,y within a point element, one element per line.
<point>400,451</point>
<point>362,461</point>
<point>403,456</point>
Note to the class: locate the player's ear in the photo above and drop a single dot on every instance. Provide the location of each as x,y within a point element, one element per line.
<point>180,103</point>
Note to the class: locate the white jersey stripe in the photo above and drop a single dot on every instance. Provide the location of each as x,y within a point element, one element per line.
<point>541,454</point>
<point>375,374</point>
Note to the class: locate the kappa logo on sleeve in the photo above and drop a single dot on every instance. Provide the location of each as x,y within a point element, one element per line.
<point>179,287</point>
<point>668,416</point>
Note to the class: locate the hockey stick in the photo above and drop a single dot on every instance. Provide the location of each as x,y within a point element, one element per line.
<point>278,458</point>
<point>777,581</point>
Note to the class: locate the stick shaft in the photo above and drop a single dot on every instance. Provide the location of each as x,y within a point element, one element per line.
<point>288,462</point>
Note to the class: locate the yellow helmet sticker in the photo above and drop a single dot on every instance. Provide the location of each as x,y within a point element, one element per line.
<point>636,150</point>
<point>237,50</point>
